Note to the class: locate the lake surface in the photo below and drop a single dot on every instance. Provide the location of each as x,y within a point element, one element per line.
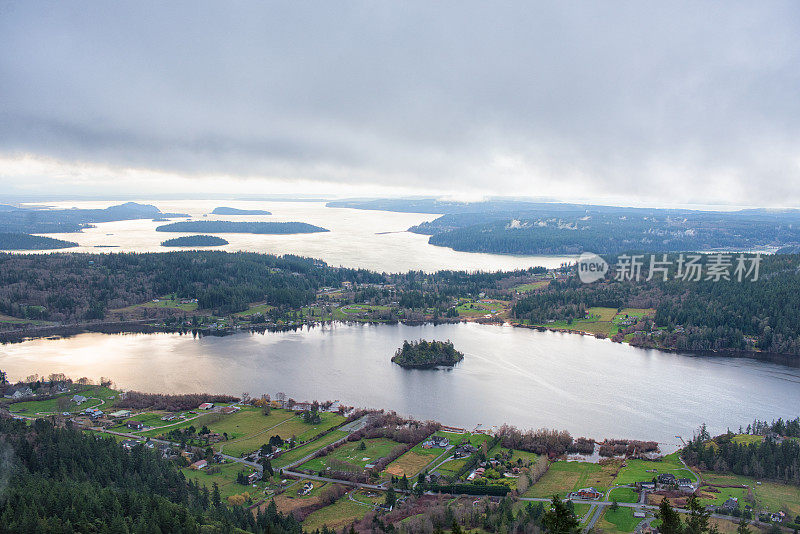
<point>375,240</point>
<point>523,377</point>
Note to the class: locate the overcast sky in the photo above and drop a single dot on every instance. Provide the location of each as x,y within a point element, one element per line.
<point>629,102</point>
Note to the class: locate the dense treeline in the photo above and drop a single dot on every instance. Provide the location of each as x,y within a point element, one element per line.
<point>241,227</point>
<point>703,315</point>
<point>44,220</point>
<point>423,353</point>
<point>17,241</point>
<point>80,287</point>
<point>195,241</point>
<point>137,400</point>
<point>541,441</point>
<point>61,480</point>
<point>574,229</point>
<point>773,458</point>
<point>223,210</point>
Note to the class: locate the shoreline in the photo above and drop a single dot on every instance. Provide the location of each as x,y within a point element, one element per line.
<point>145,327</point>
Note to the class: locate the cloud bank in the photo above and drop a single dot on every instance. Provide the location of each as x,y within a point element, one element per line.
<point>640,101</point>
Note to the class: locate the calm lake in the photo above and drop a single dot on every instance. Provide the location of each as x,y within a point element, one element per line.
<point>375,240</point>
<point>527,378</point>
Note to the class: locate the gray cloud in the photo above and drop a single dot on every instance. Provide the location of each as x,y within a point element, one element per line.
<point>671,101</point>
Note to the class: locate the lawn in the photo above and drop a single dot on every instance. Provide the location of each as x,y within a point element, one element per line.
<point>351,453</point>
<point>294,455</point>
<point>339,514</point>
<point>563,477</point>
<point>623,495</point>
<point>637,470</point>
<point>621,520</point>
<point>413,462</point>
<point>51,405</point>
<point>248,421</point>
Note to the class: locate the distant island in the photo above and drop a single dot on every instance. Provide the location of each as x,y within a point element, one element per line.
<point>424,354</point>
<point>40,220</point>
<point>195,241</point>
<point>230,227</point>
<point>17,241</point>
<point>237,211</point>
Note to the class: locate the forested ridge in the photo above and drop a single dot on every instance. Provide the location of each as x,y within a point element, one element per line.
<point>62,480</point>
<point>241,227</point>
<point>18,241</point>
<point>78,287</point>
<point>776,457</point>
<point>702,315</point>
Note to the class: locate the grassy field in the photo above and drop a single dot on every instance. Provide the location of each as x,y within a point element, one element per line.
<point>163,302</point>
<point>226,478</point>
<point>341,513</point>
<point>104,394</point>
<point>769,495</point>
<point>563,477</point>
<point>254,309</point>
<point>717,496</point>
<point>352,454</point>
<point>623,495</point>
<point>303,431</point>
<point>747,439</point>
<point>478,308</point>
<point>248,421</point>
<point>298,453</point>
<point>643,470</point>
<point>524,288</point>
<point>16,320</point>
<point>413,461</point>
<point>603,321</point>
<point>621,520</point>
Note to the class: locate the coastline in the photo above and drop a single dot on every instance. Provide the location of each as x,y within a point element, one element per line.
<point>146,327</point>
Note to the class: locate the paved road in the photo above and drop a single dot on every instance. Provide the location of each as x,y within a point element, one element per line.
<point>335,481</point>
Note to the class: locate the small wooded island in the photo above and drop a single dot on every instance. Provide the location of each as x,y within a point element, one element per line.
<point>195,241</point>
<point>424,354</point>
<point>230,227</point>
<point>222,210</point>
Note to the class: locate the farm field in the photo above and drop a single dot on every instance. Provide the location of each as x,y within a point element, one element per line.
<point>337,515</point>
<point>620,520</point>
<point>225,479</point>
<point>294,455</point>
<point>604,321</point>
<point>564,477</point>
<point>350,454</point>
<point>247,421</point>
<point>643,470</point>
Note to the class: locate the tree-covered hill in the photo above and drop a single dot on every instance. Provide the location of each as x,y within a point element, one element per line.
<point>17,241</point>
<point>231,227</point>
<point>62,480</point>
<point>424,354</point>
